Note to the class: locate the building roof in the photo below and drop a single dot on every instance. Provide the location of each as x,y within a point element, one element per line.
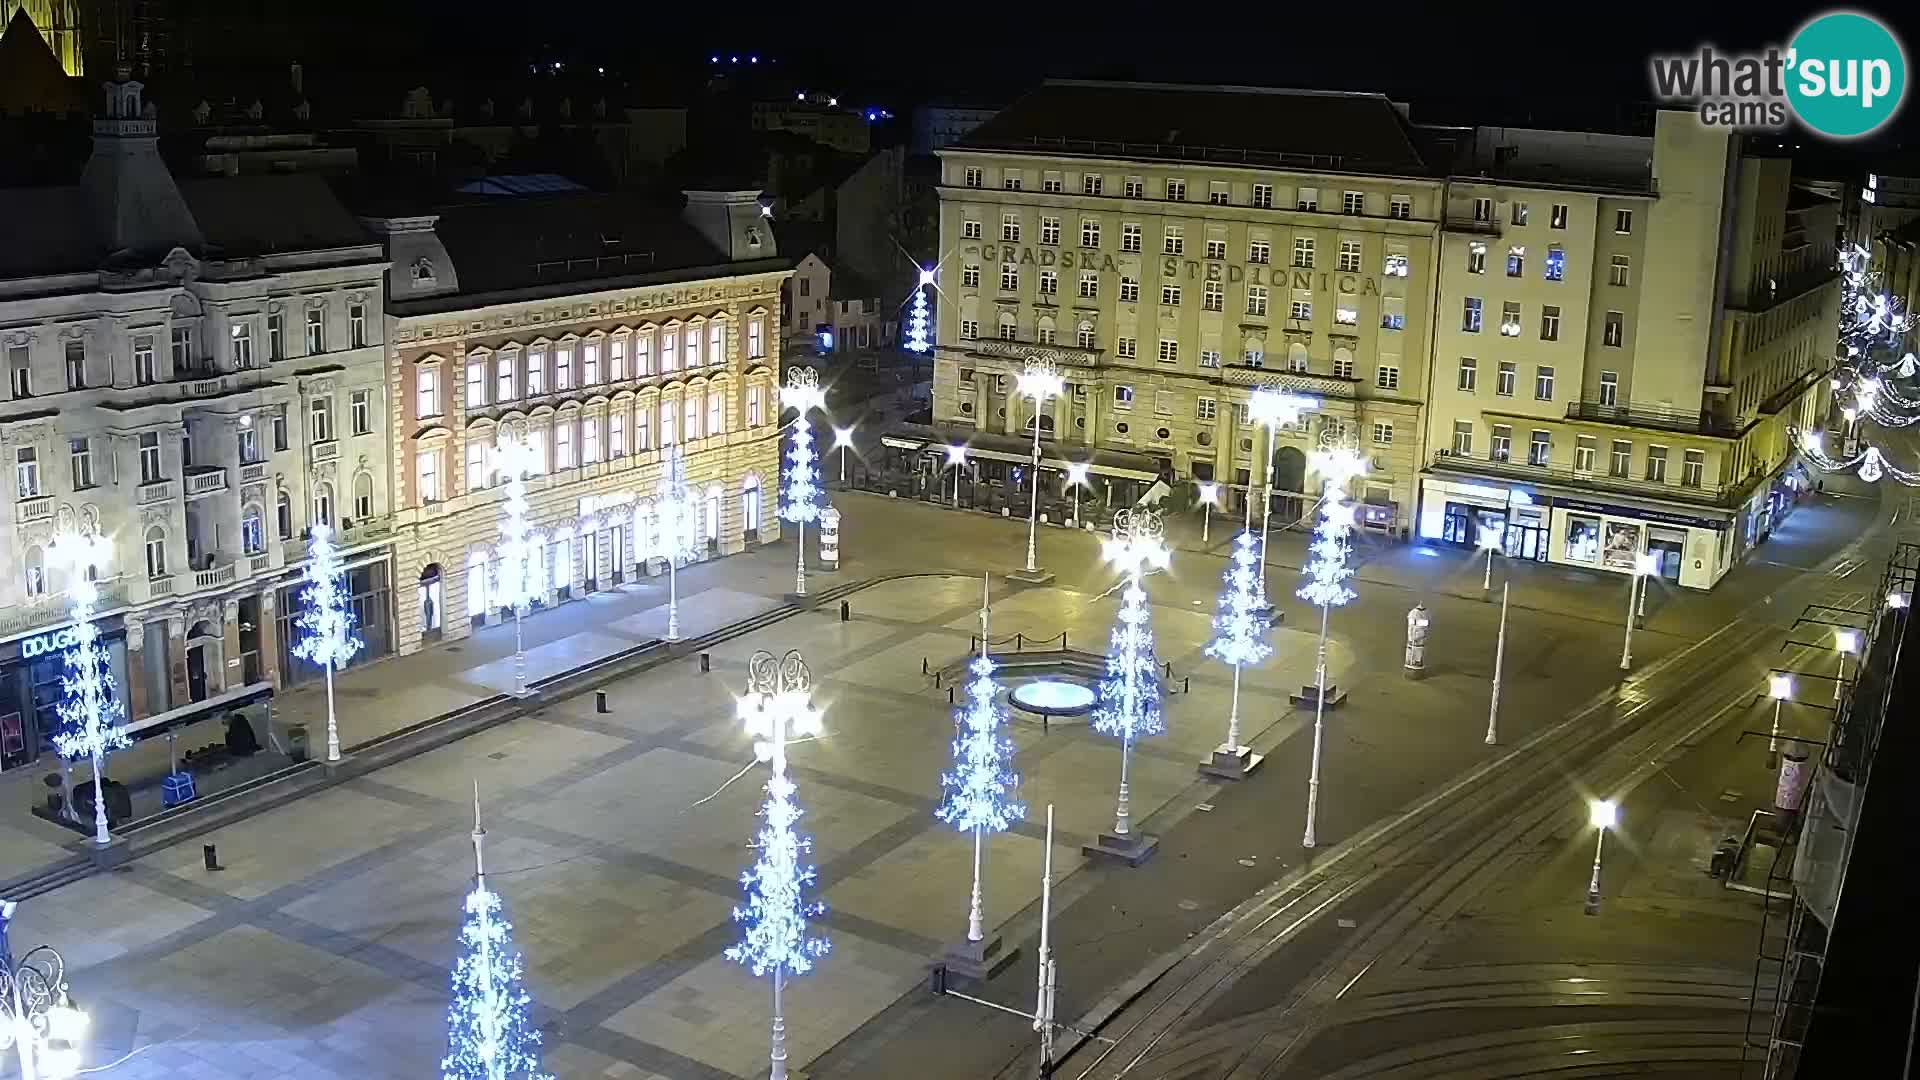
<point>242,216</point>
<point>50,230</point>
<point>1306,129</point>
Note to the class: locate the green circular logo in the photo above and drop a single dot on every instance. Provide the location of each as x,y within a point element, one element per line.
<point>1846,74</point>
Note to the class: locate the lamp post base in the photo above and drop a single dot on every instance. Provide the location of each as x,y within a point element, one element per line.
<point>338,763</point>
<point>113,853</point>
<point>1038,576</point>
<point>977,961</point>
<point>1131,849</point>
<point>1231,762</point>
<point>1309,696</point>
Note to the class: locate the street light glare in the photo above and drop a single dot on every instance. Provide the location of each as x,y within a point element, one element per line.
<point>1847,641</point>
<point>842,436</point>
<point>1076,472</point>
<point>1209,493</point>
<point>1779,687</point>
<point>1897,600</point>
<point>1646,563</point>
<point>956,455</point>
<point>1603,813</point>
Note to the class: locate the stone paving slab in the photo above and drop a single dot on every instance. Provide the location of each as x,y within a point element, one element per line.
<point>262,855</point>
<point>552,658</point>
<point>922,886</point>
<point>500,760</point>
<point>699,613</point>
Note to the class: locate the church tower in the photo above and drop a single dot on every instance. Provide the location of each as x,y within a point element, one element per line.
<point>59,22</point>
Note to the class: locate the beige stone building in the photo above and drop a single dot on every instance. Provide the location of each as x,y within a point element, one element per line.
<point>1171,248</point>
<point>604,331</point>
<point>1627,328</point>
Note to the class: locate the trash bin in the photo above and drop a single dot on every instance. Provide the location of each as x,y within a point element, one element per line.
<point>297,743</point>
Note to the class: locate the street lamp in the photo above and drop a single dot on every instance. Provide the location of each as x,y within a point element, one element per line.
<point>516,457</point>
<point>1271,408</point>
<point>1076,479</point>
<point>1897,600</point>
<point>676,539</point>
<point>956,457</point>
<point>1846,643</point>
<point>843,441</point>
<point>1644,564</point>
<point>1490,542</point>
<point>801,393</point>
<point>1604,815</point>
<point>1779,688</point>
<point>1209,498</point>
<point>37,1019</point>
<point>1040,381</point>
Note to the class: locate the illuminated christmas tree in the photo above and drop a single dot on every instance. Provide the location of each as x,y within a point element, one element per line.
<point>489,1033</point>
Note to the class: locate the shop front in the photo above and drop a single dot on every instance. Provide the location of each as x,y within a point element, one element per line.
<point>1690,551</point>
<point>371,598</point>
<point>1460,513</point>
<point>31,670</point>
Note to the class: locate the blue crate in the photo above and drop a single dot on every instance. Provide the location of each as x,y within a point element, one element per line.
<point>177,788</point>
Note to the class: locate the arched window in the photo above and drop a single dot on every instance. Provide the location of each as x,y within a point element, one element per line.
<point>1043,330</point>
<point>363,496</point>
<point>1009,328</point>
<point>1296,357</point>
<point>36,563</point>
<point>323,503</point>
<point>712,517</point>
<point>750,503</point>
<point>156,552</point>
<point>283,514</point>
<point>253,529</point>
<point>1085,337</point>
<point>476,583</point>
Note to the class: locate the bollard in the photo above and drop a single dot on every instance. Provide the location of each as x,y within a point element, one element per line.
<point>1186,684</point>
<point>211,857</point>
<point>949,695</point>
<point>923,660</point>
<point>600,701</point>
<point>936,680</point>
<point>846,611</point>
<point>1169,669</point>
<point>706,663</point>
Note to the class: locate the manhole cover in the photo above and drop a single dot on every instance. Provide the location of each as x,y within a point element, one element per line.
<point>498,755</point>
<point>1188,905</point>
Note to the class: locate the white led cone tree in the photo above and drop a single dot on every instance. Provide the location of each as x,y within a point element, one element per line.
<point>919,320</point>
<point>326,619</point>
<point>1326,586</point>
<point>92,721</point>
<point>1129,693</point>
<point>515,458</point>
<point>802,393</point>
<point>981,785</point>
<point>490,1034</point>
<point>678,539</point>
<point>1240,640</point>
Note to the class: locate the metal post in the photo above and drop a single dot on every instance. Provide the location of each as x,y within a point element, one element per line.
<point>1043,1009</point>
<point>1319,716</point>
<point>800,562</point>
<point>1266,516</point>
<point>1486,580</point>
<point>843,465</point>
<point>24,1034</point>
<point>1643,597</point>
<point>1499,659</point>
<point>1033,481</point>
<point>956,487</point>
<point>1233,714</point>
<point>1840,679</point>
<point>519,655</point>
<point>779,1053</point>
<point>1206,521</point>
<point>1773,739</point>
<point>673,598</point>
<point>1076,503</point>
<point>100,835</point>
<point>1626,646</point>
<point>974,930</point>
<point>333,731</point>
<point>1593,883</point>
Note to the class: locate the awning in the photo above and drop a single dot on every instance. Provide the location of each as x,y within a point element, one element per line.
<point>203,709</point>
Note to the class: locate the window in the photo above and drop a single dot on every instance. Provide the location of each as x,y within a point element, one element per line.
<point>1516,261</point>
<point>1393,313</point>
<point>1173,241</point>
<point>1136,188</point>
<point>970,276</point>
<point>1216,249</point>
<point>182,348</point>
<point>1009,330</point>
<point>1469,374</point>
<point>969,328</point>
<point>1400,206</point>
<point>20,370</point>
<point>1123,397</point>
<point>1176,191</point>
<point>1218,193</point>
<point>1297,357</point>
<point>1353,202</point>
<point>504,390</point>
<point>642,434</point>
<point>1162,406</point>
<point>970,230</point>
<point>1501,446</point>
<point>1483,209</point>
<point>590,439</point>
<point>1519,213</point>
<point>1584,449</point>
<point>1556,264</point>
<point>617,433</point>
<point>1558,218</point>
<point>1543,383</point>
<point>1259,251</point>
<point>1010,180</point>
<point>316,331</point>
<point>476,464</point>
<point>81,453</point>
<point>1549,323</point>
<point>1470,316</point>
<point>283,515</point>
<point>1090,184</point>
<point>1089,284</point>
<point>143,366</point>
<point>280,428</point>
<point>363,495</point>
<point>1300,309</point>
<point>476,383</point>
<point>1086,338</point>
<point>1009,277</point>
<point>1619,269</point>
<point>1049,282</point>
<point>156,552</point>
<point>1051,182</point>
<point>1346,310</point>
<point>1256,299</point>
<point>1205,408</point>
<point>643,353</point>
<point>1342,365</point>
<point>357,325</point>
<point>1693,468</point>
<point>1615,331</point>
<point>563,444</point>
<point>1463,438</point>
<point>1383,433</point>
<point>1089,233</point>
<point>1349,256</point>
<point>1387,377</point>
<point>1504,378</point>
<point>323,504</point>
<point>276,337</point>
<point>1657,464</point>
<point>1214,297</point>
<point>426,397</point>
<point>1169,351</point>
<point>1307,199</point>
<point>1170,295</point>
<point>974,177</point>
<point>617,358</point>
<point>1510,318</point>
<point>1209,358</point>
<point>76,365</point>
<point>1476,257</point>
<point>537,372</point>
<point>360,410</point>
<point>1303,252</point>
<point>1125,348</point>
<point>691,357</point>
<point>1623,221</point>
<point>1540,449</point>
<point>1010,227</point>
<point>1044,332</point>
<point>320,420</point>
<point>427,471</point>
<point>1050,231</point>
<point>590,356</point>
<point>1263,196</point>
<point>1129,291</point>
<point>1130,236</point>
<point>1609,388</point>
<point>1621,459</point>
<point>26,471</point>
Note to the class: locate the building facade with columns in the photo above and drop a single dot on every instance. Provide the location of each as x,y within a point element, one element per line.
<point>1170,248</point>
<point>194,372</point>
<point>604,331</point>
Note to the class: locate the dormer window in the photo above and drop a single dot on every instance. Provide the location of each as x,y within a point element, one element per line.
<point>753,237</point>
<point>423,272</point>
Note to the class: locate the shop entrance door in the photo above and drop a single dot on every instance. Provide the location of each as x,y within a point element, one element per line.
<point>618,546</point>
<point>1458,527</point>
<point>590,569</point>
<point>1670,548</point>
<point>1526,541</point>
<point>197,673</point>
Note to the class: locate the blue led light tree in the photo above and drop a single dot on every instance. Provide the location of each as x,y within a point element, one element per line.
<point>979,789</point>
<point>919,320</point>
<point>1326,585</point>
<point>1240,639</point>
<point>775,937</point>
<point>489,1034</point>
<point>801,394</point>
<point>1129,695</point>
<point>326,619</point>
<point>92,720</point>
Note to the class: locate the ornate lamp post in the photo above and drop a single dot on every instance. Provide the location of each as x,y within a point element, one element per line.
<point>515,457</point>
<point>956,457</point>
<point>92,717</point>
<point>1604,814</point>
<point>1846,643</point>
<point>1040,381</point>
<point>1271,408</point>
<point>1076,479</point>
<point>677,541</point>
<point>1130,692</point>
<point>1780,689</point>
<point>37,1019</point>
<point>1209,498</point>
<point>843,441</point>
<point>801,394</point>
<point>1327,587</point>
<point>1489,542</point>
<point>1643,565</point>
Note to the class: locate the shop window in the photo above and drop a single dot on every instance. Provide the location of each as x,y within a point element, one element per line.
<point>1583,539</point>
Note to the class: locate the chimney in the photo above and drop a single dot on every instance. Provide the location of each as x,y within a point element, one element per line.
<point>297,78</point>
<point>733,222</point>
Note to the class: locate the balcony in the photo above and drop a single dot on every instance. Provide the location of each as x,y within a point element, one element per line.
<point>154,491</point>
<point>324,451</point>
<point>1021,352</point>
<point>1446,461</point>
<point>1298,382</point>
<point>1655,418</point>
<point>34,509</point>
<point>253,473</point>
<point>260,564</point>
<point>204,480</point>
<point>206,386</point>
<point>216,577</point>
<point>1467,223</point>
<point>160,586</point>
